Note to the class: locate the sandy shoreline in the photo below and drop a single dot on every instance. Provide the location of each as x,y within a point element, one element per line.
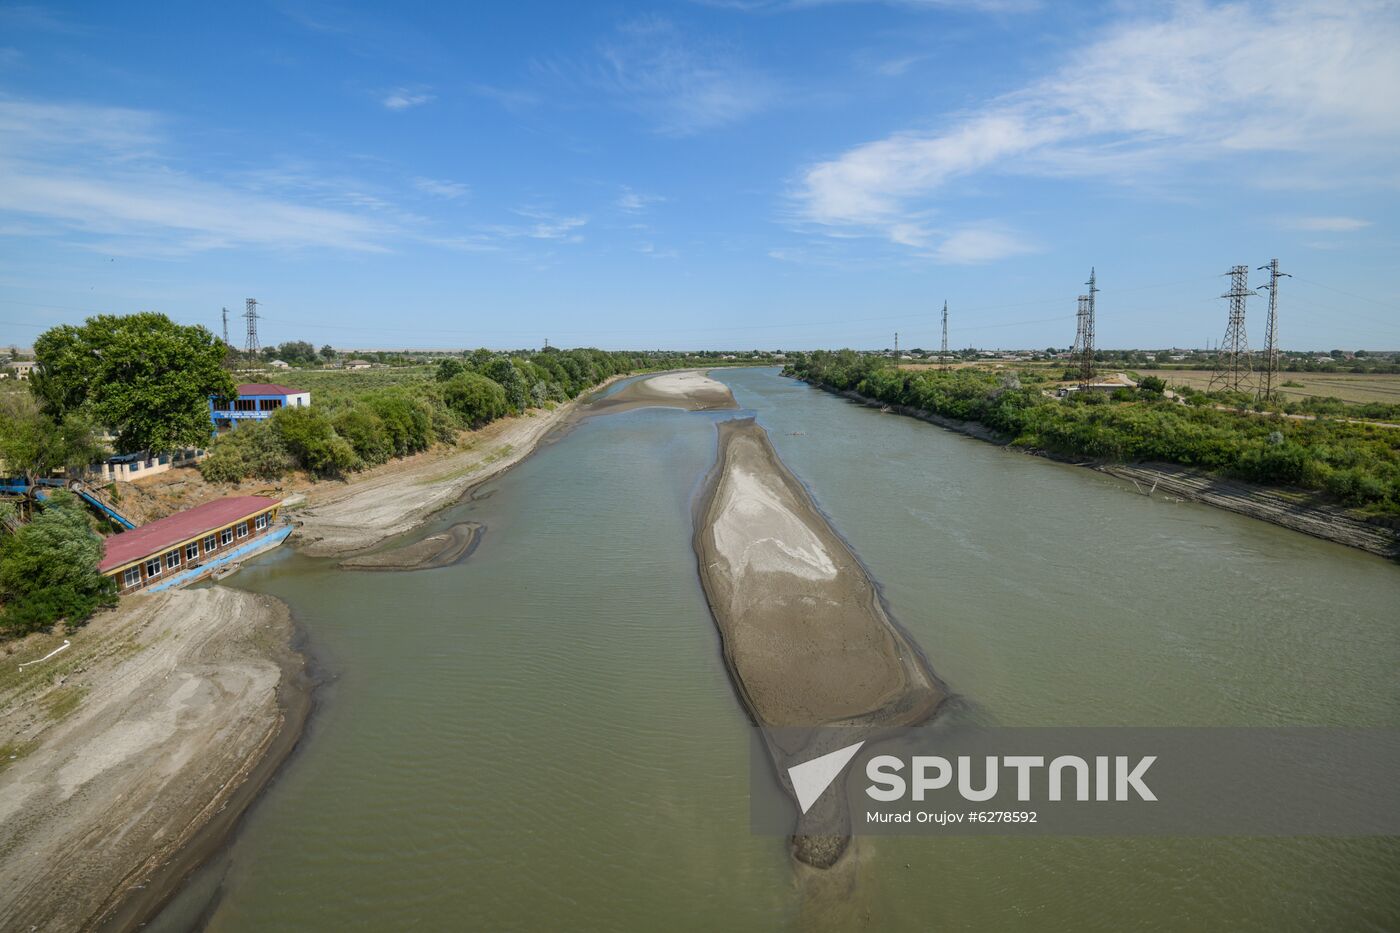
<point>342,519</point>
<point>687,389</point>
<point>140,746</point>
<point>1296,510</point>
<point>439,550</point>
<point>804,633</point>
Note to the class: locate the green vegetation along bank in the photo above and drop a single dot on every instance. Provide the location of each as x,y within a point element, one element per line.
<point>1357,465</point>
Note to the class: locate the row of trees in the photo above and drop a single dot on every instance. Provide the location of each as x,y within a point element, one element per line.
<point>364,429</point>
<point>1357,463</point>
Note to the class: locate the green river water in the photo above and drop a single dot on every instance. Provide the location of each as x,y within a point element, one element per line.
<point>543,737</point>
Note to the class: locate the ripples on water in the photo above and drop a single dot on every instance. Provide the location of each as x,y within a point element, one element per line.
<point>543,737</point>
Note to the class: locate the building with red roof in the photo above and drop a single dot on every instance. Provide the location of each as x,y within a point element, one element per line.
<point>186,541</point>
<point>255,401</point>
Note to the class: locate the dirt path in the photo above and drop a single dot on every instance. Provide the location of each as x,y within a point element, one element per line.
<point>116,753</point>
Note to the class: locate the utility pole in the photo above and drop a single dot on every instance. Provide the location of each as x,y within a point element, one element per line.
<point>1232,366</point>
<point>251,316</point>
<point>943,353</point>
<point>225,326</point>
<point>1266,391</point>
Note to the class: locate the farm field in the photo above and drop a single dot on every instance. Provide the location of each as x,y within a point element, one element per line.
<point>1349,387</point>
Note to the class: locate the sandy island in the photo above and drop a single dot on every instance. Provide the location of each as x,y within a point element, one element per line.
<point>805,637</point>
<point>439,550</point>
<point>128,755</point>
<point>690,390</point>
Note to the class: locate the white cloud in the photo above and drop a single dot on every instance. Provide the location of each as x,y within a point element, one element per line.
<point>1201,85</point>
<point>98,172</point>
<point>451,190</point>
<point>1328,224</point>
<point>405,98</point>
<point>686,87</point>
<point>634,203</point>
<point>978,244</point>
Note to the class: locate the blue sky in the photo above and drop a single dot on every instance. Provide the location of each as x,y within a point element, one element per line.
<point>732,173</point>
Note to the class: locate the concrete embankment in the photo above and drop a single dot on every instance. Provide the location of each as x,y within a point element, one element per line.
<point>805,636</point>
<point>128,755</point>
<point>1295,509</point>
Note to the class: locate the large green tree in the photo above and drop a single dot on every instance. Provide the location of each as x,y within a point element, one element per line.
<point>48,569</point>
<point>33,444</point>
<point>145,377</point>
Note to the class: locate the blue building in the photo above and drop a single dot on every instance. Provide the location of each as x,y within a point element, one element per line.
<point>255,401</point>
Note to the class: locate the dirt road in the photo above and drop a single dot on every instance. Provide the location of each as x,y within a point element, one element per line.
<point>119,750</point>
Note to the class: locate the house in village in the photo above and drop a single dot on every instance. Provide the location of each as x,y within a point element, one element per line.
<point>255,401</point>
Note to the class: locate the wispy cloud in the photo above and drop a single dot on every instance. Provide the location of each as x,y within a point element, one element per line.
<point>451,190</point>
<point>981,243</point>
<point>981,6</point>
<point>98,172</point>
<point>403,98</point>
<point>685,85</point>
<point>1201,85</point>
<point>634,202</point>
<point>1327,224</point>
<point>547,226</point>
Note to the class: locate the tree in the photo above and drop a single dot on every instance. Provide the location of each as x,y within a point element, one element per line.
<point>504,372</point>
<point>328,352</point>
<point>33,445</point>
<point>310,438</point>
<point>448,367</point>
<point>475,398</point>
<point>145,377</point>
<point>48,569</point>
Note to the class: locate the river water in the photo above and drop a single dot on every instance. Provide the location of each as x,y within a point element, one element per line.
<point>543,737</point>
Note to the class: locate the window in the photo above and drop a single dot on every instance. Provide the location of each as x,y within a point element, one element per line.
<point>153,567</point>
<point>242,528</point>
<point>269,404</point>
<point>260,522</point>
<point>226,536</point>
<point>192,551</point>
<point>209,544</point>
<point>172,560</point>
<point>132,577</point>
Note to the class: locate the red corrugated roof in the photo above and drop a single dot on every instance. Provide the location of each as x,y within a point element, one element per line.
<point>266,388</point>
<point>164,533</point>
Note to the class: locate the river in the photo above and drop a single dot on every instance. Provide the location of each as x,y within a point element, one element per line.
<point>543,737</point>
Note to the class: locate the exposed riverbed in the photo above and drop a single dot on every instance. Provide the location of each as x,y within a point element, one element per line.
<point>544,736</point>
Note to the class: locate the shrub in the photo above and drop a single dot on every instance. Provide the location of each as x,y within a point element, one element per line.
<point>251,449</point>
<point>475,398</point>
<point>310,438</point>
<point>366,434</point>
<point>48,569</point>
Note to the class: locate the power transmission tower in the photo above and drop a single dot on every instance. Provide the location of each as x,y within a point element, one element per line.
<point>1086,361</point>
<point>1076,354</point>
<point>1266,391</point>
<point>225,326</point>
<point>943,353</point>
<point>251,316</point>
<point>896,346</point>
<point>1232,364</point>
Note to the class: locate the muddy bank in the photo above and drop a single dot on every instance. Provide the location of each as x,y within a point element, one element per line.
<point>439,550</point>
<point>805,636</point>
<point>690,390</point>
<point>136,749</point>
<point>1295,509</point>
<point>345,518</point>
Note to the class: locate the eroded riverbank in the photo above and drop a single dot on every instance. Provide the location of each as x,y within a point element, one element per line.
<point>136,749</point>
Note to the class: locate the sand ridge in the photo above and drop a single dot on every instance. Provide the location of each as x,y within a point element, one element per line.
<point>690,390</point>
<point>804,634</point>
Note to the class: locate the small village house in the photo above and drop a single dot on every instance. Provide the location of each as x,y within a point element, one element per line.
<point>255,401</point>
<point>188,545</point>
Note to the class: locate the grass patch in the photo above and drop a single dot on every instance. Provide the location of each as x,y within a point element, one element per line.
<point>11,752</point>
<point>61,702</point>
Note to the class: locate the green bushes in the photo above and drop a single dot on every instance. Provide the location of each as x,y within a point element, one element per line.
<point>366,434</point>
<point>1357,463</point>
<point>475,398</point>
<point>251,450</point>
<point>48,569</point>
<point>311,441</point>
